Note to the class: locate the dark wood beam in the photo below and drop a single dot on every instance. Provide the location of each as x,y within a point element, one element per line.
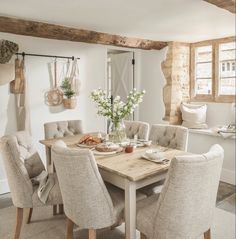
<point>225,4</point>
<point>52,31</point>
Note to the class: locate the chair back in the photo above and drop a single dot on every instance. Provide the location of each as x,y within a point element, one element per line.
<point>132,128</point>
<point>22,162</point>
<point>187,202</point>
<point>58,129</point>
<point>85,197</point>
<point>171,136</point>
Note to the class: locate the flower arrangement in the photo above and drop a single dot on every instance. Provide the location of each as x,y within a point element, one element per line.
<point>116,110</point>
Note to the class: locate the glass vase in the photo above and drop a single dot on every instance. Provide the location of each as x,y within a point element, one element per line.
<point>117,132</point>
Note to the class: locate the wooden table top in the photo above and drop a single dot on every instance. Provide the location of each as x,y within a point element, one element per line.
<point>128,165</point>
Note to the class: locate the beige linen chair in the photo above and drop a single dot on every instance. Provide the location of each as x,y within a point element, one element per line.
<point>87,202</point>
<point>186,204</point>
<point>132,128</point>
<point>22,162</point>
<point>59,129</point>
<point>171,136</point>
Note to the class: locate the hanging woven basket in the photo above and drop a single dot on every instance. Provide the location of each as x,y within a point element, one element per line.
<point>70,103</point>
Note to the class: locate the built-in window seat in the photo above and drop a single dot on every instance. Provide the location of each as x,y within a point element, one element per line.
<point>200,140</point>
<point>213,132</point>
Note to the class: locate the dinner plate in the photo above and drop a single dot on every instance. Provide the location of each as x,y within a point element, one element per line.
<point>86,146</point>
<point>161,160</point>
<point>104,153</point>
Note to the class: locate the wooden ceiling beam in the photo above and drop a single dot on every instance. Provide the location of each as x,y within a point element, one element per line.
<point>225,4</point>
<point>52,31</point>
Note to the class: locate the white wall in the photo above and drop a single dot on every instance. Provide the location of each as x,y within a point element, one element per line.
<point>152,80</point>
<point>152,111</point>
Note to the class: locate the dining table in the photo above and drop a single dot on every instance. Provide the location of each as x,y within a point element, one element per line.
<point>128,171</point>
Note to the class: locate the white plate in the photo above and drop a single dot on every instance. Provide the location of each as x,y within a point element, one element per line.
<point>104,153</point>
<point>161,160</point>
<point>86,146</point>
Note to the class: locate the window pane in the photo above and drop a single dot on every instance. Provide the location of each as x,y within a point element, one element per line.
<point>203,70</point>
<point>203,86</point>
<point>227,71</point>
<point>204,54</point>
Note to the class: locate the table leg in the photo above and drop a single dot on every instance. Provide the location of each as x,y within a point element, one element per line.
<point>130,209</point>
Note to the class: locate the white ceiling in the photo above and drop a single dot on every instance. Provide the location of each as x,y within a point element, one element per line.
<point>178,20</point>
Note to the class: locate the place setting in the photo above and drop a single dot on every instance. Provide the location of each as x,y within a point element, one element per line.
<point>156,156</point>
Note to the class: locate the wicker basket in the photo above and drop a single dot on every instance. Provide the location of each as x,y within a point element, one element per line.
<point>70,103</point>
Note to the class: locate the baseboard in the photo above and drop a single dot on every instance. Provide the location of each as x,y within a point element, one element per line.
<point>4,188</point>
<point>228,176</point>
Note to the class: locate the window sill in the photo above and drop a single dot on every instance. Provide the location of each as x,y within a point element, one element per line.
<point>211,132</point>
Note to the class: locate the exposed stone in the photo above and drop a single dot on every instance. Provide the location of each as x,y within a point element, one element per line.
<point>176,71</point>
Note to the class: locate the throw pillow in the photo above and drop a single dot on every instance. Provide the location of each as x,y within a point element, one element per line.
<point>194,116</point>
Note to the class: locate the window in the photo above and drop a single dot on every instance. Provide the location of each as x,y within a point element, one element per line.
<point>213,72</point>
<point>203,70</point>
<point>227,79</point>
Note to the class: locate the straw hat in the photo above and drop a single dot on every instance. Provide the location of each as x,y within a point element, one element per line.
<point>7,50</point>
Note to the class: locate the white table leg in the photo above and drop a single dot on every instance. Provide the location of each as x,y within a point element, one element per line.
<point>130,209</point>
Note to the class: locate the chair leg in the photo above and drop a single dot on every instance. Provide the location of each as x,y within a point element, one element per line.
<point>69,229</point>
<point>19,218</point>
<point>207,234</point>
<point>54,210</point>
<point>29,216</point>
<point>142,236</point>
<point>92,234</point>
<point>61,209</point>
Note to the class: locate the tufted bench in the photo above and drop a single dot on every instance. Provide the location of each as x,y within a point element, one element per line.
<point>132,128</point>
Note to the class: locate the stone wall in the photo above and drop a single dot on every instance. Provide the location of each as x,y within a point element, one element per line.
<point>176,68</point>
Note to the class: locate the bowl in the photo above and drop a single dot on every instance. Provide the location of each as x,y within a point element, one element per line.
<point>154,154</point>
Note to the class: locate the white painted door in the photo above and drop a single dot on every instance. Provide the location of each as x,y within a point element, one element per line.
<point>122,74</point>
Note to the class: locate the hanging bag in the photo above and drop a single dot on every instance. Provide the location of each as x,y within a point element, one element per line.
<point>74,77</point>
<point>54,96</point>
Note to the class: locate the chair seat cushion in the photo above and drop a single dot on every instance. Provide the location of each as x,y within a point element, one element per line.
<point>145,214</point>
<point>154,188</point>
<point>54,196</point>
<point>118,198</point>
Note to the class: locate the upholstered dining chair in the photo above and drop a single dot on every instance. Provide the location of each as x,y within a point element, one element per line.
<point>55,130</point>
<point>139,128</point>
<point>88,203</point>
<point>59,129</point>
<point>184,209</point>
<point>171,136</point>
<point>22,163</point>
